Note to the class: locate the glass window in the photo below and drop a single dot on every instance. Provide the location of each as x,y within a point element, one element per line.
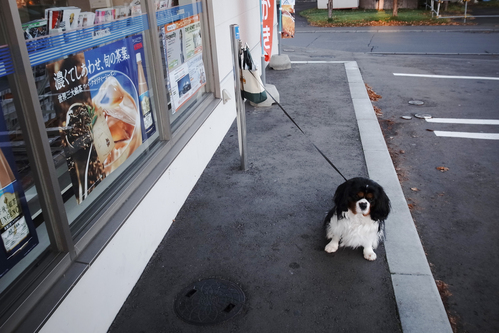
<point>181,32</point>
<point>89,59</point>
<point>92,66</point>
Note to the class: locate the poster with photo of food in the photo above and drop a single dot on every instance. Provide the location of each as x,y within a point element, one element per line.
<point>288,18</point>
<point>96,99</point>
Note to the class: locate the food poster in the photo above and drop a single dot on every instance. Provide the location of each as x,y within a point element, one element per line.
<point>288,18</point>
<point>96,100</point>
<point>18,233</point>
<point>184,54</point>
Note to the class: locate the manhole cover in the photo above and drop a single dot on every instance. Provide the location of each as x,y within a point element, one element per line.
<point>209,301</point>
<point>416,102</point>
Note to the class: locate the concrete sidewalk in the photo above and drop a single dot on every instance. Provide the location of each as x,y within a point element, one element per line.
<point>263,229</point>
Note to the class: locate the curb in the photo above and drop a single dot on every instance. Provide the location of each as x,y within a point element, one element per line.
<point>418,300</point>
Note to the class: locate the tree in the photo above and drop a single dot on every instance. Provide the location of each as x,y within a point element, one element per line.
<point>330,10</point>
<point>395,8</point>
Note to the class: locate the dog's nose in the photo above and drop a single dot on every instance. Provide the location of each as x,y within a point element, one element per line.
<point>363,205</point>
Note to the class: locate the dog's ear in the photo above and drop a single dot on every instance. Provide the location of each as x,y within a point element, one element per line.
<point>341,199</point>
<point>381,207</point>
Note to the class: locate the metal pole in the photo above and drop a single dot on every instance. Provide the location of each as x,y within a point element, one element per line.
<point>280,29</point>
<point>241,112</point>
<point>264,78</point>
<point>465,10</point>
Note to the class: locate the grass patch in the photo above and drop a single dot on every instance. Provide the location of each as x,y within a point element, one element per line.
<point>371,17</point>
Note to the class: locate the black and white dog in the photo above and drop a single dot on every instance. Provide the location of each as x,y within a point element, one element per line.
<point>360,208</point>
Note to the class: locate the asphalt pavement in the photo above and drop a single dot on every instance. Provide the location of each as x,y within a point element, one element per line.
<point>262,229</point>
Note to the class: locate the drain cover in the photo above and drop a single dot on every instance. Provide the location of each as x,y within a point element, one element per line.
<point>209,301</point>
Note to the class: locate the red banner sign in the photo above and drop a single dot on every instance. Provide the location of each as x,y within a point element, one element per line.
<point>267,27</point>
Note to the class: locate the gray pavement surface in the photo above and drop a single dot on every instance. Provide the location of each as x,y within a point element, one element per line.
<point>263,228</point>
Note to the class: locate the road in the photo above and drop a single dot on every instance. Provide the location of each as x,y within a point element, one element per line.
<point>448,175</point>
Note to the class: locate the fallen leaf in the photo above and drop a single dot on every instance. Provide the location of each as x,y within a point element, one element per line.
<point>442,169</point>
<point>373,96</point>
<point>415,189</point>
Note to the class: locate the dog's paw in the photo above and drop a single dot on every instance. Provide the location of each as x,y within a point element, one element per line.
<point>369,255</point>
<point>331,247</point>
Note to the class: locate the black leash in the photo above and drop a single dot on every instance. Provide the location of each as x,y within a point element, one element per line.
<point>297,126</point>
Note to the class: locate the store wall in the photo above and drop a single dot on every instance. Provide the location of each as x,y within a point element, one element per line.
<point>93,303</point>
<point>387,4</point>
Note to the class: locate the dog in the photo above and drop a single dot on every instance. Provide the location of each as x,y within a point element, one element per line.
<point>357,219</point>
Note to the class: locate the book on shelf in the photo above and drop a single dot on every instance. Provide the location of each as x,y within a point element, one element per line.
<point>60,19</point>
<point>104,15</point>
<point>121,11</point>
<point>86,19</point>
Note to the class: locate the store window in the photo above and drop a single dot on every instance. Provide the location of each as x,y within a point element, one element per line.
<point>22,228</point>
<point>89,59</point>
<point>100,115</point>
<point>181,33</point>
<point>89,64</point>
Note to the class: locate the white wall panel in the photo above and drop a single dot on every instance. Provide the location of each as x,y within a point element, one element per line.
<point>248,19</point>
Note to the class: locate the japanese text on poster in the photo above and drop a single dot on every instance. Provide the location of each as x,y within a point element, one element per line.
<point>267,27</point>
<point>102,104</point>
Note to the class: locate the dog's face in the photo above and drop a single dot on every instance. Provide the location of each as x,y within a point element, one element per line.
<point>362,196</point>
<point>361,203</point>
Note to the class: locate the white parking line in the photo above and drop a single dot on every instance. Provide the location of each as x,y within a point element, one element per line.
<point>468,135</point>
<point>463,121</point>
<point>448,76</point>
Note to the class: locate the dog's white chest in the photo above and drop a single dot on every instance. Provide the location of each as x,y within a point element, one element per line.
<point>354,230</point>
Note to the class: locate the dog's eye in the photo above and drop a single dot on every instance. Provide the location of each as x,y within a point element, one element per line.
<point>360,195</point>
<point>370,197</point>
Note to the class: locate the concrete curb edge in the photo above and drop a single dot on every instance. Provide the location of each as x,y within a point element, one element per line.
<point>418,300</point>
